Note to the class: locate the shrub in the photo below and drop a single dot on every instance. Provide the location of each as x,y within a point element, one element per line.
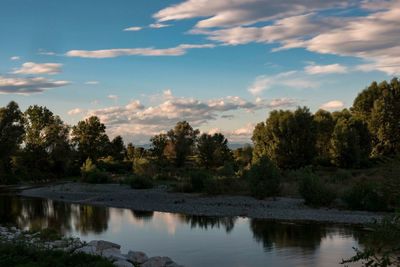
<point>141,182</point>
<point>264,179</point>
<point>142,166</point>
<point>365,195</point>
<point>90,173</point>
<point>198,180</point>
<point>314,191</point>
<point>22,255</point>
<point>341,176</point>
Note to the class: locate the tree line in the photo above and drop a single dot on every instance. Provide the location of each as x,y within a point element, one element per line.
<point>38,145</point>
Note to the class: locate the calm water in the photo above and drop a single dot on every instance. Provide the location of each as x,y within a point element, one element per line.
<point>195,241</point>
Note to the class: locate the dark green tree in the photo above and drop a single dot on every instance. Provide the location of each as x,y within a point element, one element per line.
<point>117,148</point>
<point>264,178</point>
<point>11,136</point>
<point>158,144</point>
<point>90,138</point>
<point>287,138</point>
<point>213,150</point>
<point>324,125</point>
<point>182,138</point>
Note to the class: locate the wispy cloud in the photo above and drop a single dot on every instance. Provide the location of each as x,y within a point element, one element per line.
<point>333,105</point>
<point>325,69</point>
<point>75,111</point>
<point>26,86</point>
<point>110,53</point>
<point>133,29</point>
<point>113,97</point>
<point>92,82</point>
<point>15,58</point>
<point>39,68</point>
<point>158,25</point>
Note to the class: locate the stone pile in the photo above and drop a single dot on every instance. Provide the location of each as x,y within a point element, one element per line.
<point>108,250</point>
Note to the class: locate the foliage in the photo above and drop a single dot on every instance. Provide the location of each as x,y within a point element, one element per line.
<point>287,138</point>
<point>382,248</point>
<point>314,191</point>
<point>324,125</point>
<point>199,180</point>
<point>350,143</point>
<point>158,144</point>
<point>26,256</point>
<point>264,179</point>
<point>90,138</point>
<point>91,174</point>
<point>182,139</point>
<point>141,182</point>
<point>366,195</point>
<point>213,150</point>
<point>117,148</point>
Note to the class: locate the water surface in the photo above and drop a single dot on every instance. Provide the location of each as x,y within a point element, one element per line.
<point>195,241</point>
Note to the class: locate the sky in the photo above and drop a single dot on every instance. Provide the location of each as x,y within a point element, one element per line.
<point>143,65</point>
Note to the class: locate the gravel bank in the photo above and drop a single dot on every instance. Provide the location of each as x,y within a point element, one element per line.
<point>122,196</point>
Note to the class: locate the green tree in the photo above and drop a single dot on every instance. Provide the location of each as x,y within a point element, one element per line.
<point>117,148</point>
<point>264,178</point>
<point>158,144</point>
<point>90,138</point>
<point>350,142</point>
<point>287,138</point>
<point>47,147</point>
<point>324,125</point>
<point>213,150</point>
<point>379,107</point>
<point>11,136</point>
<point>182,138</point>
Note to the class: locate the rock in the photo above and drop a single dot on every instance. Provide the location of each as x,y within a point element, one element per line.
<point>113,254</point>
<point>60,243</point>
<point>91,250</point>
<point>157,262</point>
<point>102,245</point>
<point>137,257</point>
<point>123,264</point>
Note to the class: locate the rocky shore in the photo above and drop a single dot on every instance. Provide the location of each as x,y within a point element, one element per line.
<point>159,199</point>
<point>105,249</point>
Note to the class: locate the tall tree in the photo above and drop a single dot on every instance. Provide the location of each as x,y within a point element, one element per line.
<point>11,135</point>
<point>287,138</point>
<point>158,144</point>
<point>90,138</point>
<point>213,150</point>
<point>324,125</point>
<point>117,148</point>
<point>183,138</point>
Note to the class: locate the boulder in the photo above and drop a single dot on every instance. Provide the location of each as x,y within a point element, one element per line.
<point>121,263</point>
<point>91,250</point>
<point>102,245</point>
<point>112,254</point>
<point>137,257</point>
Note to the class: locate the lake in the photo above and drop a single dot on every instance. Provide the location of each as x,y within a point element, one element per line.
<point>194,241</point>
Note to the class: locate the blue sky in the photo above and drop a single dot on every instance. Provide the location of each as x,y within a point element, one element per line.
<point>143,65</point>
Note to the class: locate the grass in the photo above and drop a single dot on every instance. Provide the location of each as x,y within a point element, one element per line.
<point>19,255</point>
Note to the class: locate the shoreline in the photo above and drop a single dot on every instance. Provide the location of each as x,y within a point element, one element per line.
<point>159,200</point>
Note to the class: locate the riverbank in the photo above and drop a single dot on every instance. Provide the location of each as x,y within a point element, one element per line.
<point>70,249</point>
<point>159,199</point>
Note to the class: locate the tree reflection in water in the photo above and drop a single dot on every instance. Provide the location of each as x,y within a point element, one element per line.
<point>205,222</point>
<point>36,214</point>
<point>142,215</point>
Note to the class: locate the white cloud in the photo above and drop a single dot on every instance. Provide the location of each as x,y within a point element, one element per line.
<point>158,25</point>
<point>92,82</point>
<point>333,105</point>
<point>292,79</point>
<point>325,69</point>
<point>135,119</point>
<point>26,86</point>
<point>39,68</point>
<point>14,58</point>
<point>75,111</point>
<point>226,13</point>
<point>109,53</point>
<point>133,29</point>
<point>113,97</point>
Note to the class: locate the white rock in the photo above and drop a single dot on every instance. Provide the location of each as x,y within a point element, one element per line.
<point>157,262</point>
<point>137,257</point>
<point>121,263</point>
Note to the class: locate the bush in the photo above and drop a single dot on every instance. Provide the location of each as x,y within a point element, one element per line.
<point>314,191</point>
<point>142,166</point>
<point>90,173</point>
<point>22,255</point>
<point>110,165</point>
<point>341,176</point>
<point>264,179</point>
<point>141,182</point>
<point>365,196</point>
<point>198,180</point>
